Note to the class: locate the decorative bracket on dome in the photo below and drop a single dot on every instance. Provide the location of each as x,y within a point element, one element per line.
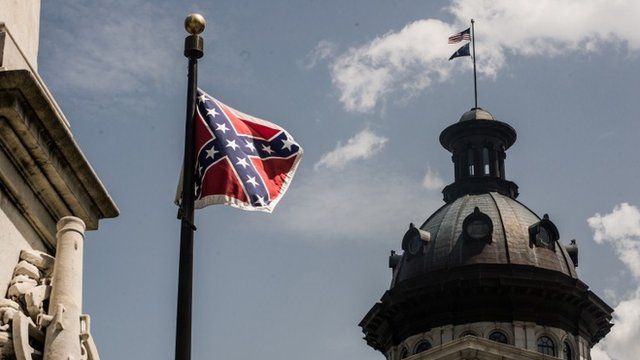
<point>477,226</point>
<point>414,240</point>
<point>572,250</point>
<point>544,234</point>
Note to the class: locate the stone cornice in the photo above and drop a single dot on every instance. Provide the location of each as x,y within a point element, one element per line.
<point>474,348</point>
<point>36,139</point>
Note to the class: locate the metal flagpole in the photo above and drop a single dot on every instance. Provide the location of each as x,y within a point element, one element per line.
<point>473,44</point>
<point>193,50</point>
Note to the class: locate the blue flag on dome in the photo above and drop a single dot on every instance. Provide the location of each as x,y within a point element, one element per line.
<point>463,51</point>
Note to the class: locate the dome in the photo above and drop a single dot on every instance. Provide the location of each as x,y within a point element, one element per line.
<point>510,241</point>
<point>476,114</point>
<point>483,256</point>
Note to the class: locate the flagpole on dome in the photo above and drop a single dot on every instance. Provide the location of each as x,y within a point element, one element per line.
<point>193,49</point>
<point>473,45</point>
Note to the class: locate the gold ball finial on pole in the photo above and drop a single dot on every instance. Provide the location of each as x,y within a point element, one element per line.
<point>194,24</point>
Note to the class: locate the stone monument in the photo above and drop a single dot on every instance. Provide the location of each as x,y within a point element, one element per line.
<point>49,196</point>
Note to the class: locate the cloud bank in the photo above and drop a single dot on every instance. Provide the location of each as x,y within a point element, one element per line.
<point>621,230</point>
<point>357,204</point>
<point>123,50</point>
<point>406,61</point>
<point>362,145</point>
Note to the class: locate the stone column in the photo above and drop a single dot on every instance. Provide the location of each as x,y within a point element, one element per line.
<point>62,341</point>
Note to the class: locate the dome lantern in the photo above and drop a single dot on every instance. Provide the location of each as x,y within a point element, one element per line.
<point>478,143</point>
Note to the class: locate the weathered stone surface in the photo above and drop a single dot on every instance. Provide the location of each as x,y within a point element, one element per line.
<point>6,345</point>
<point>6,303</point>
<point>15,234</point>
<point>8,308</point>
<point>65,304</point>
<point>40,259</point>
<point>7,315</point>
<point>23,279</point>
<point>35,133</point>
<point>20,285</point>
<point>22,18</point>
<point>27,269</point>
<point>35,298</point>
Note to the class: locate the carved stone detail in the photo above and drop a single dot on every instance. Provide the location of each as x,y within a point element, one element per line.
<point>27,298</point>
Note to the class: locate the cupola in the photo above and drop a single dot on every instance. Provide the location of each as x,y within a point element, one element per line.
<point>478,143</point>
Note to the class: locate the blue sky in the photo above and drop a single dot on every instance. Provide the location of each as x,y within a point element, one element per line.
<point>365,88</point>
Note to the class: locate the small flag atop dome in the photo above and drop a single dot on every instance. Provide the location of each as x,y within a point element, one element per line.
<point>463,51</point>
<point>462,35</point>
<point>467,34</point>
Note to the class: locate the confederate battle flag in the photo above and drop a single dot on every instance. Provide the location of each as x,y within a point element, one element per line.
<point>241,160</point>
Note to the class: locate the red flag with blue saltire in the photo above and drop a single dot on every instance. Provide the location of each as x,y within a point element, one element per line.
<point>241,160</point>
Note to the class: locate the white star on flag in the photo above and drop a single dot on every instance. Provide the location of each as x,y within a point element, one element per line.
<point>232,144</point>
<point>252,181</point>
<point>250,145</point>
<point>267,149</point>
<point>211,152</point>
<point>213,112</point>
<point>222,127</point>
<point>242,162</point>
<point>287,144</point>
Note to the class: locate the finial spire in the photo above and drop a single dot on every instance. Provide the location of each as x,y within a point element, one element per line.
<point>195,24</point>
<point>473,44</point>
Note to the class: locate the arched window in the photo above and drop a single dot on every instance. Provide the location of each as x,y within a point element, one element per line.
<point>485,160</point>
<point>404,353</point>
<point>546,346</point>
<point>423,346</point>
<point>468,333</point>
<point>567,354</point>
<point>470,162</point>
<point>499,336</point>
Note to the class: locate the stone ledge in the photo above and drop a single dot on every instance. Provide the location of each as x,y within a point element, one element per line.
<point>36,138</point>
<point>474,348</point>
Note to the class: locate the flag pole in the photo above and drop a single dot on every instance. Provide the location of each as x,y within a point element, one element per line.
<point>473,44</point>
<point>193,50</point>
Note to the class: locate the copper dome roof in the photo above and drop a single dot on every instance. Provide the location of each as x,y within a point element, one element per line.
<point>510,240</point>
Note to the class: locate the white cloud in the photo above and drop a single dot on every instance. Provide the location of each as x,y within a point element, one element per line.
<point>363,145</point>
<point>414,57</point>
<point>432,180</point>
<point>357,204</point>
<point>621,229</point>
<point>124,50</point>
<point>323,50</point>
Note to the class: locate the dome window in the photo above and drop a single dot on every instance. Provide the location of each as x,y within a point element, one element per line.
<point>566,351</point>
<point>414,240</point>
<point>544,233</point>
<point>423,346</point>
<point>478,226</point>
<point>499,336</point>
<point>546,346</point>
<point>567,354</point>
<point>404,353</point>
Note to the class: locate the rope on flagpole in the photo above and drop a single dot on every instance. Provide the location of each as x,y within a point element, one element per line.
<point>473,44</point>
